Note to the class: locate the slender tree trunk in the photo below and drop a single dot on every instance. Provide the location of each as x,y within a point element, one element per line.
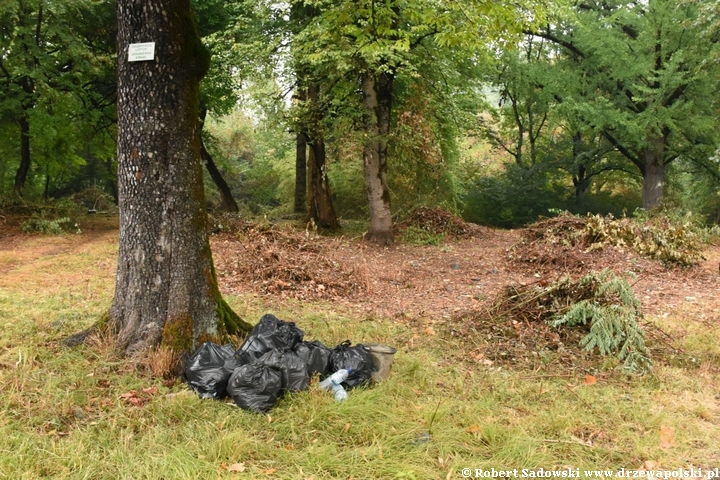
<point>301,173</point>
<point>217,178</point>
<point>112,182</point>
<point>377,95</point>
<point>22,172</point>
<point>580,179</point>
<point>321,207</point>
<point>654,173</point>
<point>166,289</point>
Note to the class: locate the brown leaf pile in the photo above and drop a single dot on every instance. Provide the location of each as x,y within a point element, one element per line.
<point>279,260</point>
<point>561,244</point>
<point>438,221</point>
<point>573,243</point>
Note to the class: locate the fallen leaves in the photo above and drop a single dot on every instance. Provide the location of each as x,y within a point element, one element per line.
<point>152,391</point>
<point>648,465</point>
<point>138,400</point>
<point>474,428</point>
<point>667,437</point>
<point>590,380</point>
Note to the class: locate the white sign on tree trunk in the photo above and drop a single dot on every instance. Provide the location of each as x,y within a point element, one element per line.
<point>139,52</point>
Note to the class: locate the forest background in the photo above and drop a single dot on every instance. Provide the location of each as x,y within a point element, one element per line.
<point>499,113</point>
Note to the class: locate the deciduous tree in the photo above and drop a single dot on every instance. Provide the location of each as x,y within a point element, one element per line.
<point>166,288</point>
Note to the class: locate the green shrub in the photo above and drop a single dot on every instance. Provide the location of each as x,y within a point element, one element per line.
<point>415,235</point>
<point>36,224</point>
<point>512,198</point>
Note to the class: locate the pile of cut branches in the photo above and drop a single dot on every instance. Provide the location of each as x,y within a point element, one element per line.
<point>438,221</point>
<point>276,259</point>
<point>558,242</point>
<point>670,241</point>
<point>601,303</point>
<point>572,242</point>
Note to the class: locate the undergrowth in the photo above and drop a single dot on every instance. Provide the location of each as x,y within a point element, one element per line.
<point>71,414</point>
<point>415,235</point>
<point>45,226</point>
<point>600,301</point>
<point>673,240</point>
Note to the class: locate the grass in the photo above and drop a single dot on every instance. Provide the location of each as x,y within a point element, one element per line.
<point>62,414</point>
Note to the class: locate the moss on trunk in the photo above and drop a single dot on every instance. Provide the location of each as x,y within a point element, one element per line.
<point>178,335</point>
<point>229,322</point>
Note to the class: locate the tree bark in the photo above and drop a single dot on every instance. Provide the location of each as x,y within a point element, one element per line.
<point>217,178</point>
<point>22,172</point>
<point>377,96</point>
<point>321,207</point>
<point>166,289</point>
<point>301,174</point>
<point>654,173</point>
<point>580,179</point>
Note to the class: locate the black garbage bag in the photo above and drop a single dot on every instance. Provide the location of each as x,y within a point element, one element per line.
<point>269,333</point>
<point>316,357</point>
<point>294,372</point>
<point>209,368</point>
<point>255,386</point>
<point>356,358</point>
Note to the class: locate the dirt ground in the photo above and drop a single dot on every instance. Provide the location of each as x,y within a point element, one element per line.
<point>404,282</point>
<point>433,282</point>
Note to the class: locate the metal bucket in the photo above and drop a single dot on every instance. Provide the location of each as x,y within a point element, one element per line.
<point>382,357</point>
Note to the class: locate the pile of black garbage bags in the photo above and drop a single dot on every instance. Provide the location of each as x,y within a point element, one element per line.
<point>273,360</point>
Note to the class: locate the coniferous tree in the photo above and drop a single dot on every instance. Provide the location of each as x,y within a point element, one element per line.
<point>643,81</point>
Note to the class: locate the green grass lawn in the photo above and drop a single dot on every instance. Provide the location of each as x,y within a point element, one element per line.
<point>63,415</point>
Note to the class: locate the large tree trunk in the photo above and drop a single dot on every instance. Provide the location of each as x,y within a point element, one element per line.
<point>166,290</point>
<point>321,207</point>
<point>654,173</point>
<point>377,96</point>
<point>22,172</point>
<point>217,178</point>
